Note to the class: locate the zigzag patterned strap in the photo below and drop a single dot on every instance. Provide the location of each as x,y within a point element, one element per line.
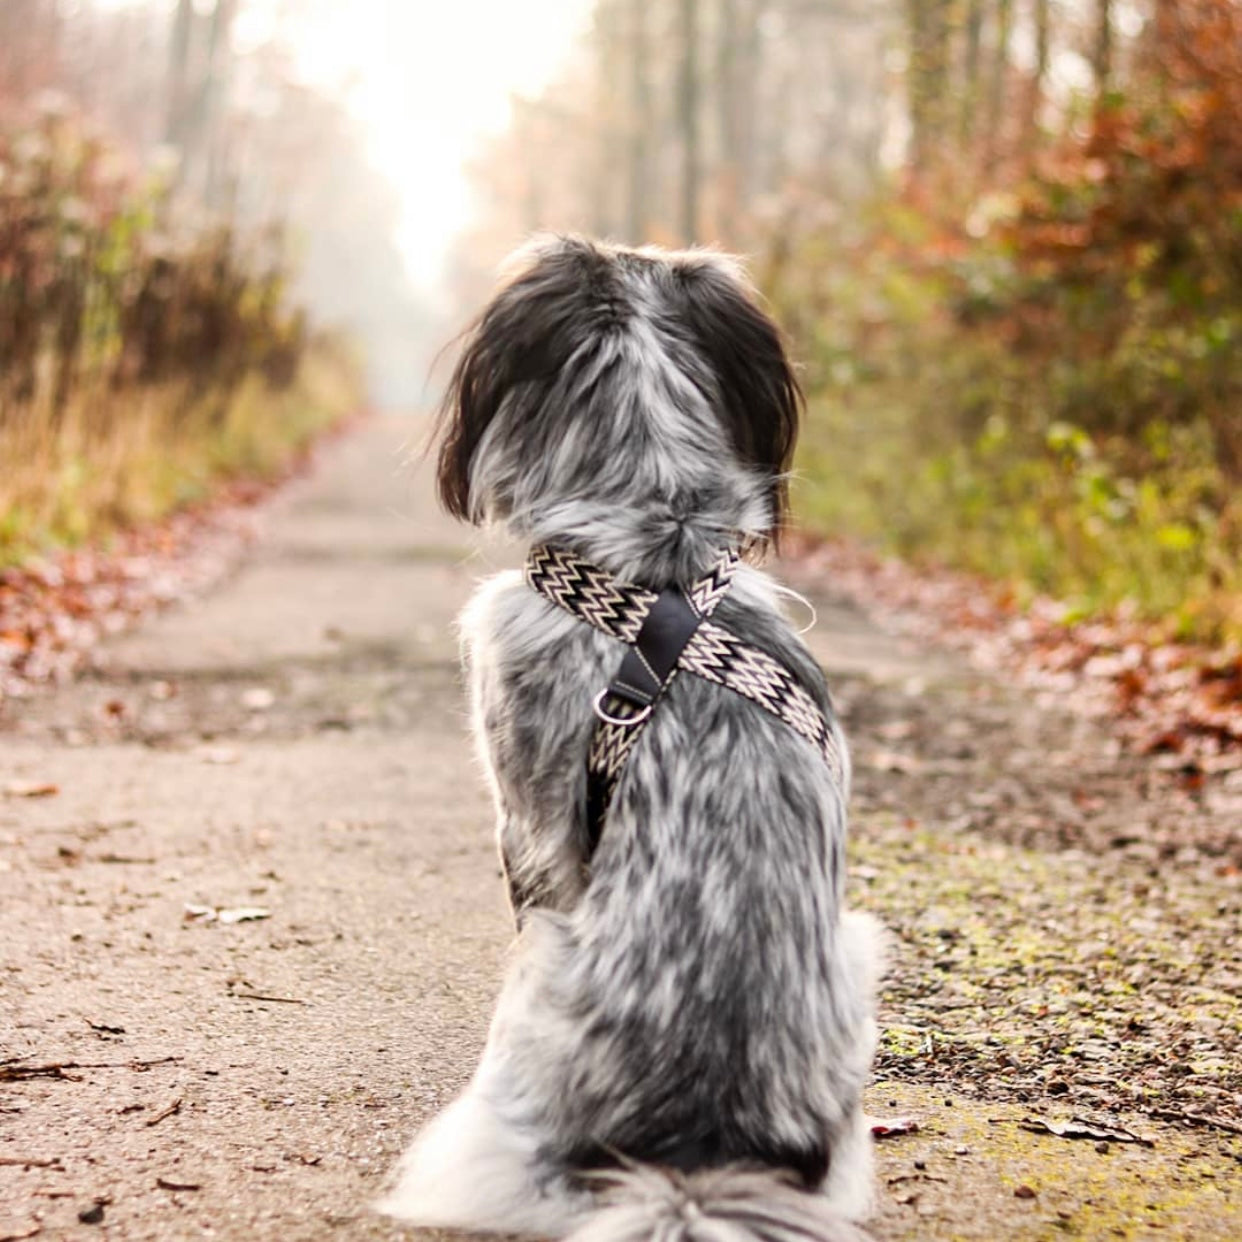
<point>590,594</point>
<point>652,662</point>
<point>715,654</point>
<point>710,652</point>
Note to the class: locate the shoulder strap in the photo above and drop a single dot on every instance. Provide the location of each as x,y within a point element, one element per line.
<point>666,632</point>
<point>649,666</point>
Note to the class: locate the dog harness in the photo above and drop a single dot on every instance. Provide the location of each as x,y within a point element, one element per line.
<point>666,632</point>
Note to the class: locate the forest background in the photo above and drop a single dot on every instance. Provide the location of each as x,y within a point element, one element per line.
<point>198,273</point>
<point>1005,237</point>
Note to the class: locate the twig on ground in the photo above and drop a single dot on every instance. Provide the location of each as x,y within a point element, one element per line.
<point>12,1072</point>
<point>279,1000</point>
<point>104,1029</point>
<point>30,1162</point>
<point>1198,1119</point>
<point>165,1184</point>
<point>171,1110</point>
<point>17,1237</point>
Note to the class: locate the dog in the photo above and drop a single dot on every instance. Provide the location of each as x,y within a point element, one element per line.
<point>684,1031</point>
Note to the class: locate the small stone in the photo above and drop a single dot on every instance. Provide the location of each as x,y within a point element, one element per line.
<point>920,1165</point>
<point>92,1215</point>
<point>1024,1192</point>
<point>1103,1148</point>
<point>961,1151</point>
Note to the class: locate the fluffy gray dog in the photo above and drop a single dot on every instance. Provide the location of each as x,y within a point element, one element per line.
<point>683,1035</point>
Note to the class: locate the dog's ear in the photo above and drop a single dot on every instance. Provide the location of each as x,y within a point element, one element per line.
<point>760,399</point>
<point>552,298</point>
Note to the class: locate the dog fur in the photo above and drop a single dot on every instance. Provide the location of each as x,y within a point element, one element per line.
<point>683,1035</point>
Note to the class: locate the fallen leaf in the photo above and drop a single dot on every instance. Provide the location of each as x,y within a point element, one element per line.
<point>244,914</point>
<point>894,1128</point>
<point>1024,1192</point>
<point>235,914</point>
<point>1077,1128</point>
<point>218,754</point>
<point>31,789</point>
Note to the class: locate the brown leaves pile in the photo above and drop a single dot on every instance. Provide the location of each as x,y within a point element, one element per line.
<point>1178,701</point>
<point>54,610</point>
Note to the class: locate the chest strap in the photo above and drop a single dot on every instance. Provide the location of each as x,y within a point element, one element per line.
<point>666,632</point>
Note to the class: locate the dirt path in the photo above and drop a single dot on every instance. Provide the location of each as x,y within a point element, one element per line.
<point>295,745</point>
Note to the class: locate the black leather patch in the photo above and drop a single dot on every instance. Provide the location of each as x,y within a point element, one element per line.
<point>650,662</point>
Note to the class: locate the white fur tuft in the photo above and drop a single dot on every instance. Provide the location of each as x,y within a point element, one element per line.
<point>723,1205</point>
<point>470,1170</point>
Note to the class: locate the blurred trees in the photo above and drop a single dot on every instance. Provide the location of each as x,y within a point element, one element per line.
<point>1006,235</point>
<point>238,138</point>
<point>692,119</point>
<point>702,119</point>
<point>150,338</point>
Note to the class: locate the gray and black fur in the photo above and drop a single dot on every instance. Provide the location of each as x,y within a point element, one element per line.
<point>686,1027</point>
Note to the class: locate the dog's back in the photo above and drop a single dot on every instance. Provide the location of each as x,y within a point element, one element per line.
<point>685,1030</point>
<point>701,1003</point>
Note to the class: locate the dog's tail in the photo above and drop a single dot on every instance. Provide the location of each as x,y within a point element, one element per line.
<point>720,1205</point>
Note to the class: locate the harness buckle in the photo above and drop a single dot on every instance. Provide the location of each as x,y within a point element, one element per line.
<point>623,722</point>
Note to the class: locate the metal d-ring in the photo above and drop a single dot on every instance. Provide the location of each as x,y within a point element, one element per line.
<point>617,720</point>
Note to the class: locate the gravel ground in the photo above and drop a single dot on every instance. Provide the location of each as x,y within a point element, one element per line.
<point>289,756</point>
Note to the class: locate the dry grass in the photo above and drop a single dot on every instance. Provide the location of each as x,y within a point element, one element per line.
<point>112,457</point>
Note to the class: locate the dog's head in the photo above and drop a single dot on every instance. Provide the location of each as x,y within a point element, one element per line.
<point>645,384</point>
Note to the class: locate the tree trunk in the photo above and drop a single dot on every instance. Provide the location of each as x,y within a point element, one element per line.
<point>996,87</point>
<point>746,97</point>
<point>727,101</point>
<point>688,120</point>
<point>927,24</point>
<point>1102,51</point>
<point>213,95</point>
<point>1042,46</point>
<point>637,208</point>
<point>179,73</point>
<point>968,123</point>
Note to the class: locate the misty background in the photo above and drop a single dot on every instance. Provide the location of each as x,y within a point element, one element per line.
<point>1003,236</point>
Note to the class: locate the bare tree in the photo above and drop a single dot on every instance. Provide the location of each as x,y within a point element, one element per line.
<point>212,99</point>
<point>999,74</point>
<point>30,34</point>
<point>688,119</point>
<point>637,209</point>
<point>749,72</point>
<point>1041,20</point>
<point>178,103</point>
<point>927,33</point>
<point>727,99</point>
<point>973,33</point>
<point>1102,50</point>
